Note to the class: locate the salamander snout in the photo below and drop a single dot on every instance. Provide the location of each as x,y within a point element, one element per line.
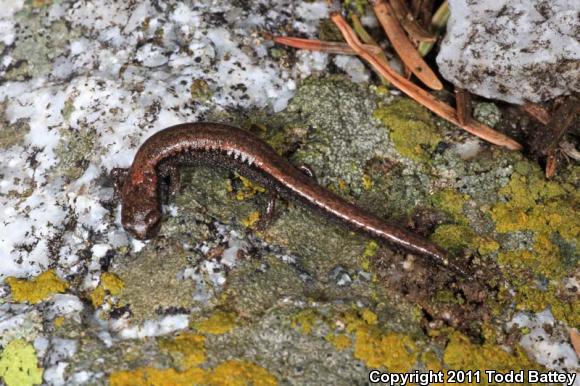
<point>143,222</point>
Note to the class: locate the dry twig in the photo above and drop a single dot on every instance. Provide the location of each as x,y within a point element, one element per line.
<point>404,47</point>
<point>323,46</point>
<point>463,105</point>
<point>441,109</point>
<point>413,28</point>
<point>537,112</point>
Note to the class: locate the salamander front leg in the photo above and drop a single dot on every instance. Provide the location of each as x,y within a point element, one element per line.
<point>170,180</point>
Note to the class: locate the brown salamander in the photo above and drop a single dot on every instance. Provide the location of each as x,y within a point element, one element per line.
<point>231,147</point>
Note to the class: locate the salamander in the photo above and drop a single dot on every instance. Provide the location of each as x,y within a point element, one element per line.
<point>226,146</point>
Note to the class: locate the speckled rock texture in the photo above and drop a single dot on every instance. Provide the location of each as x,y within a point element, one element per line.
<point>217,298</point>
<point>513,50</point>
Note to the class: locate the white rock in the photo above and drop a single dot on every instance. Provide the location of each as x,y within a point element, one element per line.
<point>513,50</point>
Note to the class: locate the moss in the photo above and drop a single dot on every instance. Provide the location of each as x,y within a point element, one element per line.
<point>37,289</point>
<point>231,373</point>
<point>110,284</point>
<point>411,127</point>
<point>218,323</point>
<point>187,350</point>
<point>461,354</point>
<point>19,365</point>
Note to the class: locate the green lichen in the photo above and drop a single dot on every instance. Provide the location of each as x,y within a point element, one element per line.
<point>73,152</point>
<point>152,285</point>
<point>12,134</point>
<point>37,289</point>
<point>18,364</point>
<point>458,237</point>
<point>200,90</point>
<point>412,128</point>
<point>451,202</point>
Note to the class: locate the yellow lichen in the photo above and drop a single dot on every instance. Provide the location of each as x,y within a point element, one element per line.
<point>340,341</point>
<point>150,376</point>
<point>538,205</point>
<point>248,189</point>
<point>251,220</point>
<point>36,289</point>
<point>110,284</point>
<point>412,128</point>
<point>369,316</point>
<point>367,182</point>
<point>18,364</point>
<point>218,323</point>
<point>461,354</point>
<point>370,251</point>
<point>231,373</point>
<point>305,320</point>
<point>58,321</point>
<point>396,352</point>
<point>547,209</point>
<point>377,348</point>
<point>186,349</point>
<point>240,373</point>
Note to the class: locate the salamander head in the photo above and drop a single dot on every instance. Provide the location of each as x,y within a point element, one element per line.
<point>141,208</point>
<point>141,218</point>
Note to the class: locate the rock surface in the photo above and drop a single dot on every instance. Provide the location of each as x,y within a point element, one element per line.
<point>513,50</point>
<point>214,300</point>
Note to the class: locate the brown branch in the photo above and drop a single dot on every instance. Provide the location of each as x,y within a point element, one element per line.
<point>413,28</point>
<point>551,165</point>
<point>323,46</point>
<point>463,105</point>
<point>537,112</point>
<point>421,96</point>
<point>404,47</point>
<point>560,121</point>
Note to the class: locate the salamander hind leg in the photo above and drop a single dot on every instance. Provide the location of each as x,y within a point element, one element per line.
<point>267,216</point>
<point>306,169</point>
